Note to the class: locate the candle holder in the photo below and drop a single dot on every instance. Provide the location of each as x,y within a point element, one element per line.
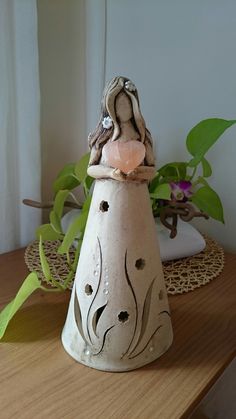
<point>118,317</point>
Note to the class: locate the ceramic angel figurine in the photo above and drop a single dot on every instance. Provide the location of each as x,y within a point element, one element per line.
<point>118,317</point>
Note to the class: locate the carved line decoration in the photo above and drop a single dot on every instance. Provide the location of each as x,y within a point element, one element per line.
<point>98,286</point>
<point>78,318</point>
<point>96,318</point>
<point>164,312</point>
<point>96,315</point>
<point>145,315</point>
<point>145,347</point>
<point>99,312</point>
<point>103,341</point>
<point>135,302</point>
<point>153,334</point>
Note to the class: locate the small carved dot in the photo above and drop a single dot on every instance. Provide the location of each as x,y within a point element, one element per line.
<point>87,352</point>
<point>104,206</point>
<point>123,316</point>
<point>106,284</point>
<point>88,289</point>
<point>95,273</point>
<point>161,295</point>
<point>106,292</point>
<point>151,349</point>
<point>140,263</point>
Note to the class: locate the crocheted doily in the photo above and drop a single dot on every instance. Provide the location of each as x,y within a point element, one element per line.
<point>182,275</point>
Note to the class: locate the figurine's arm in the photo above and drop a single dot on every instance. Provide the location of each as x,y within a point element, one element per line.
<point>145,173</point>
<point>99,171</point>
<point>142,173</point>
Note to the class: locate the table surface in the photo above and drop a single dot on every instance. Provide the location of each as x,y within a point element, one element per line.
<point>39,380</point>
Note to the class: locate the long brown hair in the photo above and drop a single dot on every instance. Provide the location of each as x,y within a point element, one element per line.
<point>101,135</point>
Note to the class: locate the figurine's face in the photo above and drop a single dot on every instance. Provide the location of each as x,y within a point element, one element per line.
<point>123,107</point>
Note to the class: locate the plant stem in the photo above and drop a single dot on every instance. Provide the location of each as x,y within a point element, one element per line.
<point>68,259</point>
<point>194,172</point>
<point>68,279</point>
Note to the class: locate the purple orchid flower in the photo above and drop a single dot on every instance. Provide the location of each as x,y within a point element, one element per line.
<point>181,190</point>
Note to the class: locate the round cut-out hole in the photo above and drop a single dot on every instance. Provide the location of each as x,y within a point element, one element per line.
<point>104,206</point>
<point>88,289</point>
<point>140,263</point>
<point>123,316</point>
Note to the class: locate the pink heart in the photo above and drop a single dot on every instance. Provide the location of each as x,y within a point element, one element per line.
<point>124,155</point>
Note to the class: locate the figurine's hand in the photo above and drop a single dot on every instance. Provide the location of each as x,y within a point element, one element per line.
<point>132,174</point>
<point>141,173</point>
<point>117,174</point>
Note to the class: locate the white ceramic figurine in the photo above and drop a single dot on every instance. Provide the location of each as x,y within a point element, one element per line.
<point>118,317</point>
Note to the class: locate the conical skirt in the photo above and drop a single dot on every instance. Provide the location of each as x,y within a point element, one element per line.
<point>118,318</point>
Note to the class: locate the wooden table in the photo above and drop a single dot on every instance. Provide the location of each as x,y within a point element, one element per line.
<point>39,380</point>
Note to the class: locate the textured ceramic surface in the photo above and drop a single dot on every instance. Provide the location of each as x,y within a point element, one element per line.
<point>118,317</point>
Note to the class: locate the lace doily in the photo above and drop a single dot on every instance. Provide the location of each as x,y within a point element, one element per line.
<point>186,274</point>
<point>182,275</point>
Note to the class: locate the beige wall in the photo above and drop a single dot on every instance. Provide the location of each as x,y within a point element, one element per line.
<point>62,84</point>
<point>182,57</point>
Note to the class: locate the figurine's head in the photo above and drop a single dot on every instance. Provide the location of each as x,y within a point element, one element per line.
<point>120,104</point>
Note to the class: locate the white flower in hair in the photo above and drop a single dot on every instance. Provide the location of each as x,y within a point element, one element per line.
<point>107,122</point>
<point>130,86</point>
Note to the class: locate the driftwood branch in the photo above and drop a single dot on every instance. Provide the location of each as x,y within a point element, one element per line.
<point>184,210</point>
<point>48,205</point>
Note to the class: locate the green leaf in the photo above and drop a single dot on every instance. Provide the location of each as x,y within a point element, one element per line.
<point>59,202</point>
<point>44,262</point>
<point>47,232</point>
<point>55,222</point>
<point>46,270</point>
<point>207,200</point>
<point>206,167</point>
<point>56,213</point>
<point>77,253</point>
<point>201,180</point>
<point>65,182</point>
<point>81,167</point>
<point>168,171</point>
<point>68,280</point>
<point>74,266</point>
<point>30,284</point>
<point>174,170</point>
<point>203,136</point>
<point>88,181</point>
<point>86,204</point>
<point>76,227</point>
<point>162,191</point>
<point>154,183</point>
<point>66,178</point>
<point>68,169</point>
